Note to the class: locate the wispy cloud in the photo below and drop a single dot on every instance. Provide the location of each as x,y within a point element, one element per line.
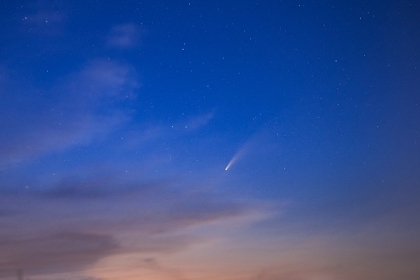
<point>4,213</point>
<point>197,122</point>
<point>54,252</point>
<point>124,36</point>
<point>43,18</point>
<point>103,78</point>
<point>97,188</point>
<point>77,111</point>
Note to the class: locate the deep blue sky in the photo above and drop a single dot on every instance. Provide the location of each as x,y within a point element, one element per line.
<point>119,118</point>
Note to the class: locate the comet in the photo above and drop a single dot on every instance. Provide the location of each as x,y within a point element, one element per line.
<point>233,160</point>
<point>239,154</point>
<point>251,146</point>
<point>229,164</point>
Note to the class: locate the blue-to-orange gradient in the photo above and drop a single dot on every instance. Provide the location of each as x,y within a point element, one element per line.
<point>202,140</point>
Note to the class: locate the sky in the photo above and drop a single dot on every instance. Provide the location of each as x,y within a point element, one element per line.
<point>198,140</point>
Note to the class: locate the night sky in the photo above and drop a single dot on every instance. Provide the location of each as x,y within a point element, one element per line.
<point>201,140</point>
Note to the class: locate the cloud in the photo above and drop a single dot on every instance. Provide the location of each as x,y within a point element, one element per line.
<point>145,134</point>
<point>80,109</point>
<point>124,36</point>
<point>198,122</point>
<point>4,213</point>
<point>94,189</point>
<point>137,201</point>
<point>43,19</point>
<point>199,208</point>
<point>61,251</point>
<point>104,78</point>
<point>78,221</point>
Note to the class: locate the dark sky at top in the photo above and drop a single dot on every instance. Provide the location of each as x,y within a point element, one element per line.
<point>232,140</point>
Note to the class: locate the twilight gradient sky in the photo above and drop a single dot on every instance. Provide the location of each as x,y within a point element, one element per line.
<point>119,118</point>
